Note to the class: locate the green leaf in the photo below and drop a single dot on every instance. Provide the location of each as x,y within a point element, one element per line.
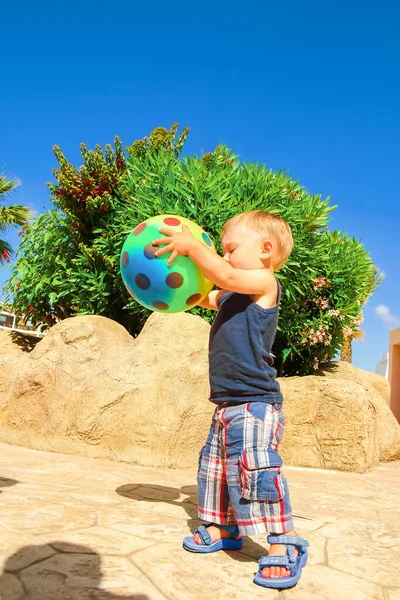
<point>70,255</point>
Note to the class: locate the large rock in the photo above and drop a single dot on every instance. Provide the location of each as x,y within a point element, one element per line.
<point>329,424</point>
<point>338,421</point>
<point>90,388</point>
<point>344,370</point>
<point>387,426</point>
<point>14,349</point>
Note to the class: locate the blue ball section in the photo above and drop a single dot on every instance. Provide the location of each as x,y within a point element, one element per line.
<point>206,239</point>
<point>152,283</point>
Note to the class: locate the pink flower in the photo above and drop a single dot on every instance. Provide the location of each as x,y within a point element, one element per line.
<point>315,337</point>
<point>319,282</point>
<point>322,302</point>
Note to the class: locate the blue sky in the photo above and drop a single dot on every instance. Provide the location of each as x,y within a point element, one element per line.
<point>311,87</point>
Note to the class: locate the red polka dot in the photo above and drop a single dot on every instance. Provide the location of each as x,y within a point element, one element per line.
<point>174,280</point>
<point>161,305</point>
<point>139,229</point>
<point>125,259</point>
<point>268,359</point>
<point>172,221</point>
<point>193,299</point>
<point>150,251</point>
<point>142,281</point>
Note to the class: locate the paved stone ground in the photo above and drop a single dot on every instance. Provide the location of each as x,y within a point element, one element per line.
<point>87,529</point>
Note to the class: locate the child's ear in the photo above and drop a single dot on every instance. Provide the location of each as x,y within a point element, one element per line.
<point>266,251</point>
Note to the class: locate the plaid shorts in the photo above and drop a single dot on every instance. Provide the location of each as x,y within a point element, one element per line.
<point>239,477</point>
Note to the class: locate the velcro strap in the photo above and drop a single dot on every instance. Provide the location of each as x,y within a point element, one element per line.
<point>287,540</point>
<point>291,554</point>
<point>203,533</point>
<point>274,561</point>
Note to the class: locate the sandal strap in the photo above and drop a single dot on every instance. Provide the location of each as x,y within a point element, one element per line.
<point>203,533</point>
<point>206,537</point>
<point>275,561</point>
<point>287,540</point>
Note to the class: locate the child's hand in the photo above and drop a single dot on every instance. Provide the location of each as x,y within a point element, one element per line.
<point>177,243</point>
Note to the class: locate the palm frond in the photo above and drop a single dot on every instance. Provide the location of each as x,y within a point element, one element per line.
<point>7,184</point>
<point>10,216</point>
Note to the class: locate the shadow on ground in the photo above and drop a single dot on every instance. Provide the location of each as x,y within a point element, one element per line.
<point>56,570</point>
<point>6,482</point>
<point>170,495</point>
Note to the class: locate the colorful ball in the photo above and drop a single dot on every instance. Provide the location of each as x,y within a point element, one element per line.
<point>149,279</point>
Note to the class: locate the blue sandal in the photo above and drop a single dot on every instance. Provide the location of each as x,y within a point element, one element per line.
<point>206,546</point>
<point>290,561</point>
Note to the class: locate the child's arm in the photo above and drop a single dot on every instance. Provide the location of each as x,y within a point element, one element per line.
<point>219,271</point>
<point>211,301</point>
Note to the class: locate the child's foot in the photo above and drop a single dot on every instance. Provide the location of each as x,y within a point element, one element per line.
<point>282,571</point>
<point>216,534</point>
<point>278,550</point>
<point>213,537</point>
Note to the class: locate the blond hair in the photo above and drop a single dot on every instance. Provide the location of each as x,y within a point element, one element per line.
<point>267,225</point>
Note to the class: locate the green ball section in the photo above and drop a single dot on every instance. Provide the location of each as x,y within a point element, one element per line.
<point>150,280</point>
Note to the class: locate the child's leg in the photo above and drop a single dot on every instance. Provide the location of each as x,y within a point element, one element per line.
<point>257,488</point>
<point>212,488</point>
<point>213,498</point>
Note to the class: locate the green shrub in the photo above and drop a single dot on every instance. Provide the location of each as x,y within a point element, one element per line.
<point>68,262</point>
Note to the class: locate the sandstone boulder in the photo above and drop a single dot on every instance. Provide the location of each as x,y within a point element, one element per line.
<point>338,420</point>
<point>387,426</point>
<point>329,424</point>
<point>14,349</point>
<point>90,388</point>
<point>344,370</point>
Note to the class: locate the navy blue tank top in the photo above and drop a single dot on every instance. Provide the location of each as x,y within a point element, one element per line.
<point>240,360</point>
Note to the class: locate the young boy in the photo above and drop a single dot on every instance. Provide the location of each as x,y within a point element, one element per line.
<point>241,489</point>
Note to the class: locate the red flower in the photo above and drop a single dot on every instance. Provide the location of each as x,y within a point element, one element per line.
<point>31,308</point>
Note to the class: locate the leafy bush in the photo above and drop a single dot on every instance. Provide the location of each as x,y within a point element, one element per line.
<point>68,262</point>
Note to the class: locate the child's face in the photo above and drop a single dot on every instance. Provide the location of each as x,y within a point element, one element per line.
<point>244,248</point>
